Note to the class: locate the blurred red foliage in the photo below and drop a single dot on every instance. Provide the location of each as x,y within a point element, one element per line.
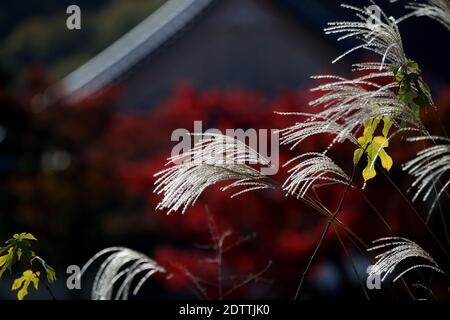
<point>110,179</point>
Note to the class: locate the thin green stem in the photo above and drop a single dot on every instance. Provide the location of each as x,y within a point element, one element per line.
<point>416,212</point>
<point>352,263</point>
<point>377,213</point>
<point>324,234</point>
<point>444,224</point>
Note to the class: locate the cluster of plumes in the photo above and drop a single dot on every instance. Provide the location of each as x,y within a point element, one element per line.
<point>346,104</point>
<point>215,158</point>
<point>397,250</point>
<point>379,34</point>
<point>352,101</point>
<point>438,10</point>
<point>122,266</point>
<point>427,168</point>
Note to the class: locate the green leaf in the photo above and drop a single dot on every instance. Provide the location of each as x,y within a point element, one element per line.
<point>24,282</point>
<point>19,254</point>
<point>17,247</point>
<point>4,249</point>
<point>51,274</point>
<point>412,89</point>
<point>8,260</point>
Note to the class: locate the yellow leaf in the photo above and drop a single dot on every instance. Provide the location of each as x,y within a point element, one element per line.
<point>51,274</point>
<point>369,172</point>
<point>6,261</point>
<point>357,155</point>
<point>386,160</point>
<point>3,259</point>
<point>381,141</point>
<point>24,236</point>
<point>24,281</point>
<point>387,126</point>
<point>374,147</point>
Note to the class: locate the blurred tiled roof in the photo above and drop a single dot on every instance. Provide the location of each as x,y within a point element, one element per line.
<point>132,47</point>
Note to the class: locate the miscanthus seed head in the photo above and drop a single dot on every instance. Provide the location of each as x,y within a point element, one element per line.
<point>350,102</point>
<point>397,250</point>
<point>378,33</point>
<point>215,158</point>
<point>438,10</point>
<point>428,168</point>
<point>311,169</point>
<point>345,105</point>
<point>122,266</point>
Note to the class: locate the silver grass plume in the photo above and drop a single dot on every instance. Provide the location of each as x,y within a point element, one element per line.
<point>377,34</point>
<point>346,104</point>
<point>213,159</point>
<point>396,251</point>
<point>312,168</point>
<point>313,125</point>
<point>427,168</point>
<point>122,266</point>
<point>438,10</point>
<point>350,102</point>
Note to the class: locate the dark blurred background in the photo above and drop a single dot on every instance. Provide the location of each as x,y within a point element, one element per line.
<point>86,118</point>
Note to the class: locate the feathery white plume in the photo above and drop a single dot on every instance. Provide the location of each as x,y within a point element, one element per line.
<point>313,125</point>
<point>122,266</point>
<point>346,105</point>
<point>312,168</point>
<point>350,103</point>
<point>398,250</point>
<point>438,10</point>
<point>354,101</point>
<point>428,167</point>
<point>213,159</point>
<point>378,33</point>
